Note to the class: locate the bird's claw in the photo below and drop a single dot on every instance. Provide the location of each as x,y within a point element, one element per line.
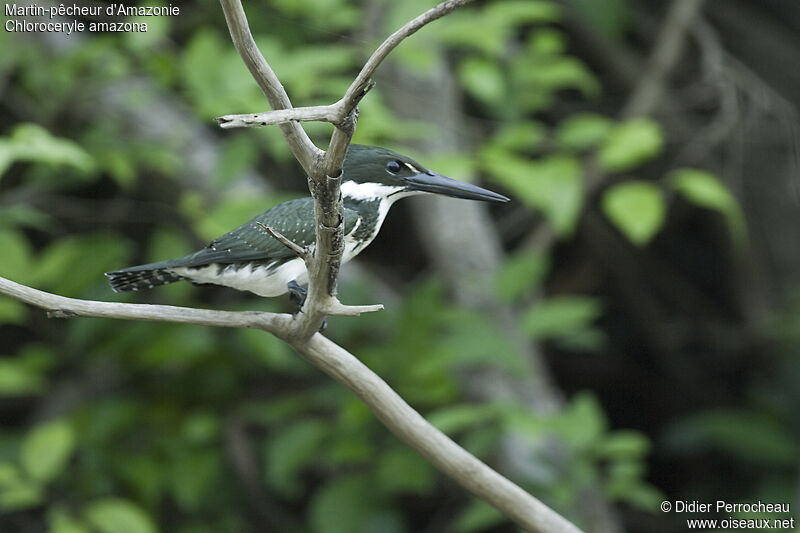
<point>297,295</point>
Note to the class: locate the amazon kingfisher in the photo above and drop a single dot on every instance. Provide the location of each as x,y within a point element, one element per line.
<point>248,258</point>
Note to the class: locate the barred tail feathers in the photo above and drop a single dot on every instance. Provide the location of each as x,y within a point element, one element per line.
<point>136,280</point>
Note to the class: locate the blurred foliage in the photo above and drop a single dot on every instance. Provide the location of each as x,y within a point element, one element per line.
<point>138,427</point>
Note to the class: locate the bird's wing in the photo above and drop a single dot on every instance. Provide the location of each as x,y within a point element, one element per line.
<point>250,242</point>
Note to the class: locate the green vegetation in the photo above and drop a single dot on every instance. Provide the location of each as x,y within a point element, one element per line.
<point>109,157</point>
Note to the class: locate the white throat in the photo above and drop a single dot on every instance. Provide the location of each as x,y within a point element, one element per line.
<point>371,191</point>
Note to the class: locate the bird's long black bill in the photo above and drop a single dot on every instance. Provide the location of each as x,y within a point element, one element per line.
<point>439,184</point>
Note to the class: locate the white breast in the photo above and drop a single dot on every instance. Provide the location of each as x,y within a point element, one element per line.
<point>259,279</point>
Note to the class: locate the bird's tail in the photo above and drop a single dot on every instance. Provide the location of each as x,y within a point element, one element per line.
<point>137,278</point>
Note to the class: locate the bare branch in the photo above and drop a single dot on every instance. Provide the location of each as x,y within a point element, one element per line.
<point>666,54</point>
<point>62,307</point>
<point>301,252</point>
<point>361,84</point>
<point>324,113</point>
<point>441,451</point>
<point>324,172</point>
<point>335,307</point>
<point>302,147</point>
<point>329,247</point>
<point>399,417</point>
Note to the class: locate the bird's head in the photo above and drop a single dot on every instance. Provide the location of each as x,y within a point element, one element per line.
<point>372,173</point>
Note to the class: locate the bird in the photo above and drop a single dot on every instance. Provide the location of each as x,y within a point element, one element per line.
<point>250,258</point>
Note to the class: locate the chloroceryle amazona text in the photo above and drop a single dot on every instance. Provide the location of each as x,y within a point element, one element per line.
<point>248,258</point>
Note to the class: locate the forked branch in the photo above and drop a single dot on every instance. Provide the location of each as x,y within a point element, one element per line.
<point>324,170</point>
<point>337,112</point>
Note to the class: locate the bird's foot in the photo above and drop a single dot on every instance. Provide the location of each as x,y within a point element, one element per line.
<point>297,295</point>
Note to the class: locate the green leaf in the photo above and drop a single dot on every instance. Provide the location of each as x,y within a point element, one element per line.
<point>610,17</point>
<point>60,522</point>
<point>461,417</point>
<point>744,435</point>
<point>629,144</point>
<point>636,208</point>
<point>17,379</point>
<point>402,470</point>
<point>560,315</point>
<point>583,131</point>
<point>483,80</point>
<point>115,515</point>
<point>201,427</point>
<point>342,505</point>
<point>46,449</point>
<point>9,475</point>
<point>478,516</point>
<point>473,33</point>
<point>72,264</point>
<point>144,474</point>
<point>471,340</point>
<point>23,495</point>
<point>517,12</point>
<point>238,156</point>
<point>233,211</point>
<point>536,79</point>
<point>520,136</point>
<point>32,143</point>
<point>547,41</point>
<point>551,184</point>
<point>641,495</point>
<point>16,259</point>
<point>292,450</point>
<point>583,422</point>
<point>20,215</point>
<point>192,473</point>
<point>705,190</point>
<point>12,312</point>
<point>522,272</point>
<point>627,444</point>
<point>324,15</point>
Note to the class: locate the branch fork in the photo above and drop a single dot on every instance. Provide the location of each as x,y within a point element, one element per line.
<point>324,169</point>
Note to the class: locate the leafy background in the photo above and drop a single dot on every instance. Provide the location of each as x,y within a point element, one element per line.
<point>663,305</point>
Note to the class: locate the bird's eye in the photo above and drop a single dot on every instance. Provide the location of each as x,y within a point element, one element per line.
<point>393,166</point>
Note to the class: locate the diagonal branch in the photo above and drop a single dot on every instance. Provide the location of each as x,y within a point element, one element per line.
<point>339,111</point>
<point>301,252</point>
<point>399,417</point>
<point>324,169</point>
<point>297,138</point>
<point>325,173</point>
<point>357,89</point>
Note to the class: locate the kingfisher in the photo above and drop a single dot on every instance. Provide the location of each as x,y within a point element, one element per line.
<point>249,258</point>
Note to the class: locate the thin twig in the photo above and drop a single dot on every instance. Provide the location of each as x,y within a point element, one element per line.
<point>322,113</point>
<point>300,251</point>
<point>324,171</point>
<point>297,138</point>
<point>670,44</point>
<point>361,84</point>
<point>334,113</point>
<point>335,307</point>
